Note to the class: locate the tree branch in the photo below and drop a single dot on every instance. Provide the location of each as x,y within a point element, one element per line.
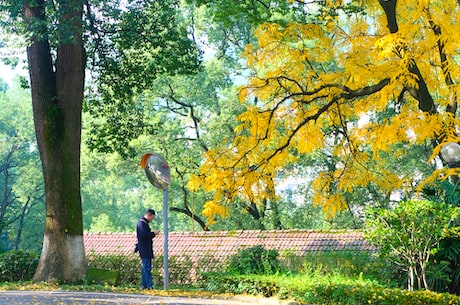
<point>191,111</point>
<point>389,6</point>
<point>191,215</point>
<point>186,210</point>
<point>436,28</point>
<point>347,94</point>
<point>421,93</point>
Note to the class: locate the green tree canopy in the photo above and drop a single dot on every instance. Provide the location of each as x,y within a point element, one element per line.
<point>61,38</point>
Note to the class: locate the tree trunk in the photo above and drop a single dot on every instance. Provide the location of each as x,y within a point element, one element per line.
<point>57,95</point>
<point>276,215</point>
<point>190,214</point>
<point>410,279</point>
<point>21,224</point>
<point>5,198</point>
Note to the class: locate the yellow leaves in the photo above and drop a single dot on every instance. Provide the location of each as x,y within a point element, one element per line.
<point>331,202</point>
<point>285,51</point>
<point>309,138</point>
<point>426,126</point>
<point>386,47</point>
<point>439,175</point>
<point>330,188</point>
<point>388,181</point>
<point>257,122</point>
<point>245,171</point>
<point>303,98</point>
<point>408,126</point>
<point>359,27</point>
<point>267,34</point>
<point>212,209</point>
<point>194,183</point>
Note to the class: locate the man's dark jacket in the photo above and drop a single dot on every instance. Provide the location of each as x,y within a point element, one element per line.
<point>144,238</point>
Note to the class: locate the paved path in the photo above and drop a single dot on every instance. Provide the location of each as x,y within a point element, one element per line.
<point>90,298</point>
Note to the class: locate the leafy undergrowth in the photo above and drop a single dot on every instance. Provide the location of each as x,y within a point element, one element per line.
<point>334,289</point>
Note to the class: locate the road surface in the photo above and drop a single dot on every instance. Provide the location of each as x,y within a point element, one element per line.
<point>92,298</point>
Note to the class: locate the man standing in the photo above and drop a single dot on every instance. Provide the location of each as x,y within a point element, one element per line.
<point>145,246</point>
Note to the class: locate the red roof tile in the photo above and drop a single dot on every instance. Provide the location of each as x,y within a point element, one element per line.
<point>226,243</point>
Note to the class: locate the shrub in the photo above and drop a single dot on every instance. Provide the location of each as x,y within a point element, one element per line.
<point>19,265</point>
<point>206,269</point>
<point>254,260</point>
<point>326,291</point>
<point>346,263</point>
<point>179,270</point>
<point>410,233</point>
<point>444,268</point>
<point>128,267</point>
<point>362,295</point>
<point>219,283</point>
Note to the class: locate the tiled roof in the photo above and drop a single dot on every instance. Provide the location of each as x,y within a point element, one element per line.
<point>221,244</point>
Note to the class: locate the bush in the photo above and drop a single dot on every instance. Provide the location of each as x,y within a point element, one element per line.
<point>179,270</point>
<point>254,260</point>
<point>409,233</point>
<point>347,263</point>
<point>362,295</point>
<point>326,291</point>
<point>207,267</point>
<point>128,267</point>
<point>19,265</point>
<point>444,267</point>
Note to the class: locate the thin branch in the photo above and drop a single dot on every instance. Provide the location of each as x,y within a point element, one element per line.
<point>436,28</point>
<point>347,94</point>
<point>186,209</point>
<point>191,110</point>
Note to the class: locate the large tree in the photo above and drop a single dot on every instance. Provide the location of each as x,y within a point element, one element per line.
<point>54,35</point>
<point>362,82</point>
<point>57,83</point>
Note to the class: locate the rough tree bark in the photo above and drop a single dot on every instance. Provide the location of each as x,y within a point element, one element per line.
<point>57,81</point>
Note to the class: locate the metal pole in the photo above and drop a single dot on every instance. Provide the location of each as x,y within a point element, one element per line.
<point>165,240</point>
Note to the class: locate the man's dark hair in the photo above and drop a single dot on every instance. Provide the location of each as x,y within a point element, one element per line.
<point>150,212</point>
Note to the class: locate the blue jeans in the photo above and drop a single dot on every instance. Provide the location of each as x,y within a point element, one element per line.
<point>147,273</point>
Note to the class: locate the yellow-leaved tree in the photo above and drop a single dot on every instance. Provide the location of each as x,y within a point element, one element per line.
<point>324,85</point>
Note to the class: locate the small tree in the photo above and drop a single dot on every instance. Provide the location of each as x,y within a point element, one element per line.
<point>409,233</point>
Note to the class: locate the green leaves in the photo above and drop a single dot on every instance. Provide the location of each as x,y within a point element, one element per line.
<point>409,233</point>
<point>147,42</point>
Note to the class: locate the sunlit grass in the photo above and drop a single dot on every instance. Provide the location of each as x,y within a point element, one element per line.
<point>304,280</point>
<point>43,286</point>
